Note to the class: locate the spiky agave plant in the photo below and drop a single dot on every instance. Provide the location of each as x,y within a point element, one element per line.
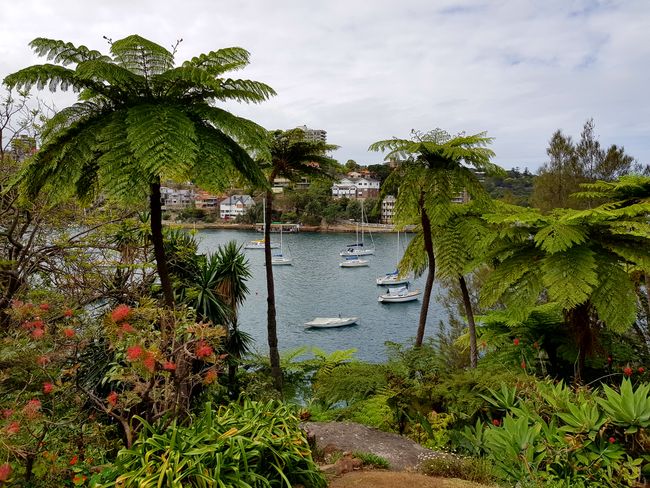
<point>140,119</point>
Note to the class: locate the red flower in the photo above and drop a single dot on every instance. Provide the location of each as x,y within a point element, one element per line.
<point>612,440</point>
<point>5,471</point>
<point>516,342</point>
<point>149,362</point>
<point>210,376</point>
<point>134,352</point>
<point>523,364</point>
<point>38,324</point>
<point>79,479</point>
<point>112,398</point>
<point>627,371</point>
<point>496,422</point>
<point>641,370</point>
<point>68,313</point>
<point>203,350</point>
<point>42,360</point>
<point>127,328</point>
<point>31,409</point>
<point>74,460</point>
<point>44,306</point>
<point>47,388</point>
<point>38,333</point>
<point>13,428</point>
<point>120,313</point>
<point>609,360</point>
<point>7,413</point>
<point>68,332</point>
<point>169,366</point>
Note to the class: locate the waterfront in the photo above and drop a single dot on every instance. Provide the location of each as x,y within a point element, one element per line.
<point>315,285</point>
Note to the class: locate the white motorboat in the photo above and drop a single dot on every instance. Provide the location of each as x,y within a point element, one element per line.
<point>280,259</point>
<point>399,294</point>
<point>353,262</point>
<point>358,248</point>
<point>327,322</point>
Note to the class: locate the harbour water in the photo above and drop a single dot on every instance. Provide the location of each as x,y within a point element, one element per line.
<point>315,286</point>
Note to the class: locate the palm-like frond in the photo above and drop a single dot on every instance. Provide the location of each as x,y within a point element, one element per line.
<point>142,56</point>
<point>64,52</point>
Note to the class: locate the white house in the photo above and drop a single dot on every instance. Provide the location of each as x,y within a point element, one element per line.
<point>235,206</point>
<point>176,197</point>
<point>355,188</point>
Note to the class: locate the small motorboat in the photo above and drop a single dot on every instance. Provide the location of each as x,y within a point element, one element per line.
<point>281,260</point>
<point>327,322</point>
<point>353,262</point>
<point>392,279</point>
<point>399,294</point>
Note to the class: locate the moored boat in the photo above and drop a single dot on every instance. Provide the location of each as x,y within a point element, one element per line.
<point>398,294</point>
<point>328,322</point>
<point>353,262</point>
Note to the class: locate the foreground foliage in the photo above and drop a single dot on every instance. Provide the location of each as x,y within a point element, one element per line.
<point>252,444</point>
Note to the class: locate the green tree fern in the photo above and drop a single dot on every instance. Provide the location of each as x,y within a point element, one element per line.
<point>140,120</point>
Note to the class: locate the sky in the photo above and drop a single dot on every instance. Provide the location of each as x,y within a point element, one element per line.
<point>368,70</point>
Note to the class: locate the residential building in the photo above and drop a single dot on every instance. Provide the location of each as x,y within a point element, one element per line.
<point>235,206</point>
<point>357,188</point>
<point>206,200</point>
<point>387,209</point>
<point>176,198</point>
<point>313,134</point>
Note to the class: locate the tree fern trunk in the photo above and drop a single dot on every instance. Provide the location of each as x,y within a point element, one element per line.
<point>431,273</point>
<point>271,324</point>
<point>158,248</point>
<point>473,351</point>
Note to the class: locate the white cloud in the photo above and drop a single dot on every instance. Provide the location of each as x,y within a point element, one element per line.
<point>370,70</point>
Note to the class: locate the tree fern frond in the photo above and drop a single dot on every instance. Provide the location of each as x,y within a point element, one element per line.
<point>115,75</point>
<point>163,140</point>
<point>558,237</point>
<point>220,61</point>
<point>570,277</point>
<point>142,56</point>
<point>64,52</point>
<point>43,75</point>
<point>243,91</point>
<point>247,133</point>
<point>68,116</point>
<point>415,258</point>
<point>507,274</point>
<point>615,298</point>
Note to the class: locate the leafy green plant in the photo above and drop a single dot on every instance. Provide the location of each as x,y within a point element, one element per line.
<point>628,408</point>
<point>370,459</point>
<point>253,444</point>
<point>465,468</point>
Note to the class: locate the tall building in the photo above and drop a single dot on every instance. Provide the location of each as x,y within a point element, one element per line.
<point>313,134</point>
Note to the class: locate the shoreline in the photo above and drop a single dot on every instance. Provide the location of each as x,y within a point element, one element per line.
<point>341,228</point>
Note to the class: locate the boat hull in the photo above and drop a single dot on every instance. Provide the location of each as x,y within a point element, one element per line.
<point>392,280</point>
<point>357,252</point>
<point>354,263</point>
<point>257,245</point>
<point>330,322</point>
<point>399,298</point>
<point>281,261</point>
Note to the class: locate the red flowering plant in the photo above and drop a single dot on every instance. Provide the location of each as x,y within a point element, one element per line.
<point>160,359</point>
<point>43,418</point>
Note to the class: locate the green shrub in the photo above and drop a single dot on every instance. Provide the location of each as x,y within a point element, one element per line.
<point>254,444</point>
<point>373,412</point>
<point>370,459</point>
<point>465,468</point>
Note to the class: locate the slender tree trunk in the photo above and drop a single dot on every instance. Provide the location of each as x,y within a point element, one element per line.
<point>271,324</point>
<point>579,321</point>
<point>158,247</point>
<point>431,273</point>
<point>473,351</point>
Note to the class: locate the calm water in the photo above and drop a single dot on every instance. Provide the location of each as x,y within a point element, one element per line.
<point>315,286</point>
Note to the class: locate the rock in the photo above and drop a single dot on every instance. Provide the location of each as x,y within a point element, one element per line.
<point>402,454</point>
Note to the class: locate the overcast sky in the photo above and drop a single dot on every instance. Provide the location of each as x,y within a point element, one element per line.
<point>367,70</point>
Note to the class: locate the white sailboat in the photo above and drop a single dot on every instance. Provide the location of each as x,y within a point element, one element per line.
<point>359,248</point>
<point>394,277</point>
<point>259,243</point>
<point>279,259</point>
<point>353,262</point>
<point>398,294</point>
